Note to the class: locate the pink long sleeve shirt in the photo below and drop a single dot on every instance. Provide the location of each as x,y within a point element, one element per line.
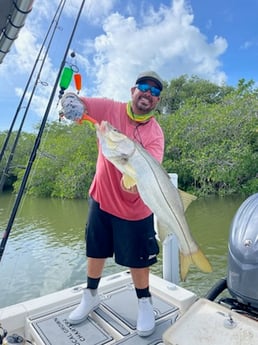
<point>106,185</point>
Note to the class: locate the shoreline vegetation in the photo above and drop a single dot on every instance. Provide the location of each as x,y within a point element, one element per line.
<point>211,142</point>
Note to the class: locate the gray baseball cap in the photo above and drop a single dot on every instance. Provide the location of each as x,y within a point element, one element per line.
<point>150,75</point>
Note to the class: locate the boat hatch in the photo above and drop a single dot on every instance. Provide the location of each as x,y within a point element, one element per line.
<point>206,322</point>
<point>113,322</point>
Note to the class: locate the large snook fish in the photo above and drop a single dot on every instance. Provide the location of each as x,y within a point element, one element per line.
<point>156,190</point>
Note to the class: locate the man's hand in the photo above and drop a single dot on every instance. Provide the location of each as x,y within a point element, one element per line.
<point>72,107</point>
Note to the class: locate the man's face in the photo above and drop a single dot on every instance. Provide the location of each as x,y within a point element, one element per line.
<point>143,101</point>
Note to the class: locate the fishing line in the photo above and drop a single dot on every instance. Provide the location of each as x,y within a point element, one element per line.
<point>37,140</point>
<point>75,69</point>
<point>30,78</point>
<point>55,21</point>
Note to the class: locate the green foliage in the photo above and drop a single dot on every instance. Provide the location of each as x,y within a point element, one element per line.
<point>213,147</point>
<point>193,89</point>
<point>15,156</point>
<point>65,163</point>
<point>211,135</point>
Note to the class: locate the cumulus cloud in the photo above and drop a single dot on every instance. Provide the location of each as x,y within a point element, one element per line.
<point>114,43</point>
<point>164,40</point>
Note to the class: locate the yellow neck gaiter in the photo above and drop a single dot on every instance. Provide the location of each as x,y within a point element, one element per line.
<point>135,117</point>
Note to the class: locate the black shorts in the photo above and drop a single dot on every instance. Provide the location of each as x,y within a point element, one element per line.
<point>132,243</point>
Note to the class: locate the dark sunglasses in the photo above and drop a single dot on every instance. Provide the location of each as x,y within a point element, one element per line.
<point>145,87</point>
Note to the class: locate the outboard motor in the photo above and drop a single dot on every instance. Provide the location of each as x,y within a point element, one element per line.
<point>242,278</point>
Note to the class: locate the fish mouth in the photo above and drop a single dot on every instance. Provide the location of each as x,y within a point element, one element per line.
<point>110,133</point>
<point>102,127</point>
<point>105,127</point>
<point>112,139</point>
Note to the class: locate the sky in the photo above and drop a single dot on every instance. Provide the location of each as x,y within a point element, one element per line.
<point>115,40</point>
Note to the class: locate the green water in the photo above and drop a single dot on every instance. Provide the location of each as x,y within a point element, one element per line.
<point>45,251</point>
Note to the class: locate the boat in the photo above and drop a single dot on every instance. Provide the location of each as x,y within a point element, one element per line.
<point>227,315</point>
<point>182,318</point>
<point>44,320</point>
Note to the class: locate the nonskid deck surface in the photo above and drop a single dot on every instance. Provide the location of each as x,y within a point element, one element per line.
<point>114,322</point>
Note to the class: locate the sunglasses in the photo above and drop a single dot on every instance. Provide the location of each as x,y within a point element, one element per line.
<point>145,87</point>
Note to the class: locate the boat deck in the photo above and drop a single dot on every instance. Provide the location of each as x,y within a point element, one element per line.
<point>112,322</point>
<point>181,318</point>
<point>44,321</point>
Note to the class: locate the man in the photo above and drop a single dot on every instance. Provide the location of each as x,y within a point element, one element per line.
<point>119,223</point>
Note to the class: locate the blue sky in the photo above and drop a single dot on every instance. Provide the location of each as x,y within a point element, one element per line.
<point>117,39</point>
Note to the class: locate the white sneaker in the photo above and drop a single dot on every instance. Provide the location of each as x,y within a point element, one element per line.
<point>146,317</point>
<point>88,303</point>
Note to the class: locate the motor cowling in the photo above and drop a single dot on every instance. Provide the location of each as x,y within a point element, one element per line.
<point>242,278</point>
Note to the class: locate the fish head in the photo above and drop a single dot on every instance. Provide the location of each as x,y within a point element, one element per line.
<point>116,146</point>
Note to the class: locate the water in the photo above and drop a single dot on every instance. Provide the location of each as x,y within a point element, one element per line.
<point>45,251</point>
<point>210,220</point>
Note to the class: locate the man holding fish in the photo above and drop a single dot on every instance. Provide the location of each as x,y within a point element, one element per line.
<point>130,186</point>
<point>120,224</point>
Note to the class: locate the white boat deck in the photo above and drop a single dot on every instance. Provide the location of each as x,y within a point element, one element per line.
<point>43,321</point>
<point>209,323</point>
<point>181,318</point>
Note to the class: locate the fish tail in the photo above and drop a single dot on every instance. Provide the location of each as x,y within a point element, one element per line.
<point>198,259</point>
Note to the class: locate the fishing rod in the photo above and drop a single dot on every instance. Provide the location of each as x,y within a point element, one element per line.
<point>37,140</point>
<point>27,85</point>
<point>10,158</point>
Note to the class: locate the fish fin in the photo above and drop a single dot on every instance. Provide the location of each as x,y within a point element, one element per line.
<point>198,259</point>
<point>128,181</point>
<point>186,198</point>
<point>162,231</point>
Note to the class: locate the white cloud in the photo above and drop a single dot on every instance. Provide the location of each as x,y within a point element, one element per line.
<point>248,44</point>
<point>161,38</point>
<point>96,10</point>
